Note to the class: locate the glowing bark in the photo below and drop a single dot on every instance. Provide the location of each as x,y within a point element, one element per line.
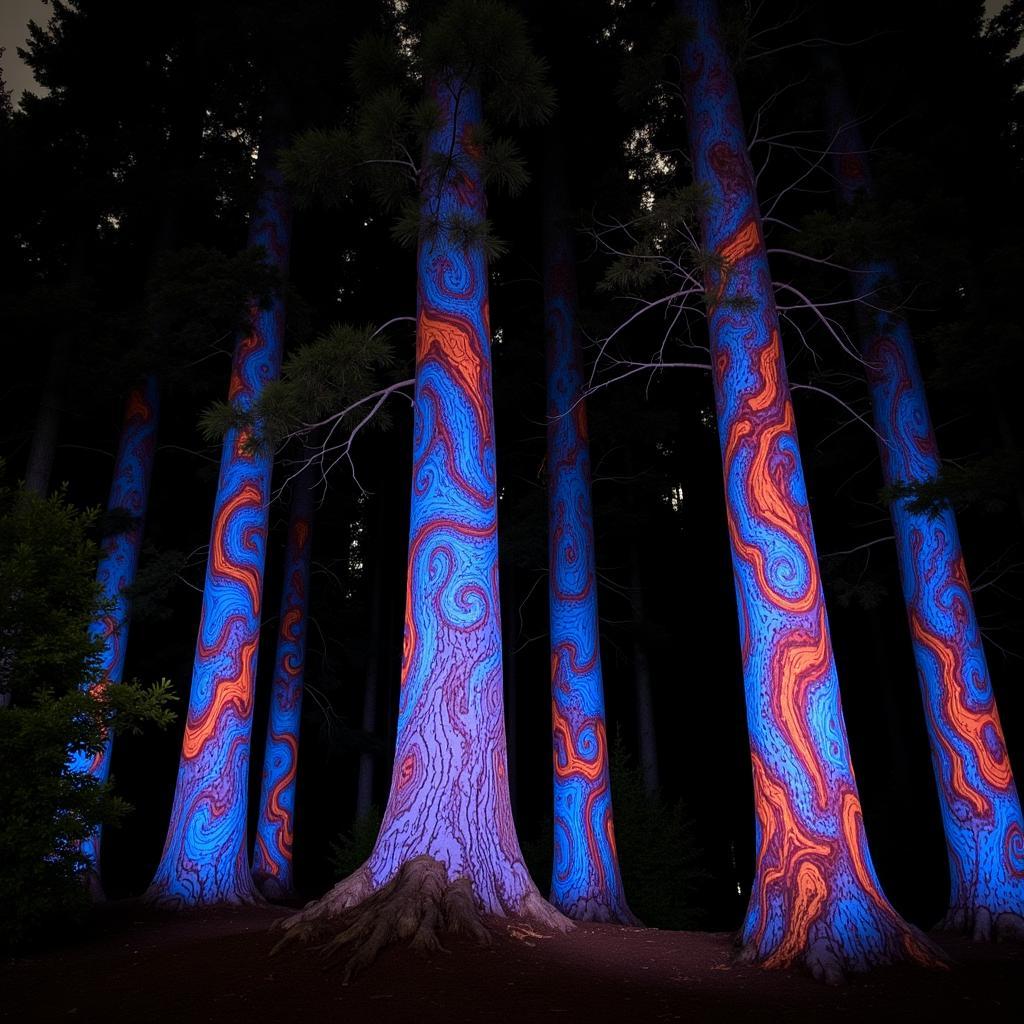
<point>816,898</point>
<point>449,790</point>
<point>981,812</point>
<point>205,858</point>
<point>585,880</point>
<point>275,827</point>
<point>119,560</point>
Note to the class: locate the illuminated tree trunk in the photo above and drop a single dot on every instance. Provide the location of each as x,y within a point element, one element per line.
<point>119,560</point>
<point>205,858</point>
<point>447,844</point>
<point>585,880</point>
<point>816,898</point>
<point>981,812</point>
<point>275,827</point>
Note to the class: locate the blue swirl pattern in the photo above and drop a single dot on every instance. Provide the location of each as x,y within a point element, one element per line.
<point>585,881</point>
<point>449,790</point>
<point>275,826</point>
<point>118,564</point>
<point>205,858</point>
<point>816,898</point>
<point>981,812</point>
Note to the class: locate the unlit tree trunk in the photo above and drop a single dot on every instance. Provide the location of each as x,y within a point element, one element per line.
<point>47,422</point>
<point>648,741</point>
<point>371,681</point>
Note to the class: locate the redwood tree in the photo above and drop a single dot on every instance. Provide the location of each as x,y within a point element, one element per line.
<point>585,880</point>
<point>816,898</point>
<point>119,560</point>
<point>447,850</point>
<point>981,812</point>
<point>205,858</point>
<point>275,826</point>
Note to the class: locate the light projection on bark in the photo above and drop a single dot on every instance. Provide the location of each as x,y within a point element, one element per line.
<point>119,560</point>
<point>447,850</point>
<point>585,880</point>
<point>981,812</point>
<point>816,898</point>
<point>205,858</point>
<point>275,827</point>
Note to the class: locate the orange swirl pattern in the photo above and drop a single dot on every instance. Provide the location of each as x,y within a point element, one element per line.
<point>815,897</point>
<point>275,825</point>
<point>205,856</point>
<point>978,798</point>
<point>116,571</point>
<point>449,790</point>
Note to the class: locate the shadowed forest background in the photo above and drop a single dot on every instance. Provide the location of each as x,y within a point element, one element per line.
<point>141,118</point>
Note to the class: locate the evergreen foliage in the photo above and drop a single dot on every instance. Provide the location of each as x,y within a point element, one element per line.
<point>50,598</point>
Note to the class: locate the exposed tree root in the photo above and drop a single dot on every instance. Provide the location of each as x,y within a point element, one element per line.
<point>830,961</point>
<point>415,907</point>
<point>982,925</point>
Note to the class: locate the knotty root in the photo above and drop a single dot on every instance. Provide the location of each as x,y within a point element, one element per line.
<point>982,925</point>
<point>415,907</point>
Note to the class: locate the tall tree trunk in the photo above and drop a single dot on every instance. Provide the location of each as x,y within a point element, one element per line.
<point>119,560</point>
<point>981,812</point>
<point>646,734</point>
<point>816,898</point>
<point>275,826</point>
<point>371,681</point>
<point>47,422</point>
<point>447,843</point>
<point>205,857</point>
<point>585,881</point>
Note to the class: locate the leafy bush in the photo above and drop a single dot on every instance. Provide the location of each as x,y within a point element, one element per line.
<point>48,598</point>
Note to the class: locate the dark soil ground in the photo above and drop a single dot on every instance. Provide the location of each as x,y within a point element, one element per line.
<point>143,966</point>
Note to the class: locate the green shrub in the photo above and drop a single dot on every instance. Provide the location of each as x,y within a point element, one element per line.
<point>48,598</point>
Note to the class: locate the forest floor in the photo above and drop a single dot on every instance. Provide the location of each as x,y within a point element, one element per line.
<point>139,965</point>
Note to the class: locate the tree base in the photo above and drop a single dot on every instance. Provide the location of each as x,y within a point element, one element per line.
<point>830,960</point>
<point>415,907</point>
<point>587,911</point>
<point>982,925</point>
<point>158,896</point>
<point>270,888</point>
